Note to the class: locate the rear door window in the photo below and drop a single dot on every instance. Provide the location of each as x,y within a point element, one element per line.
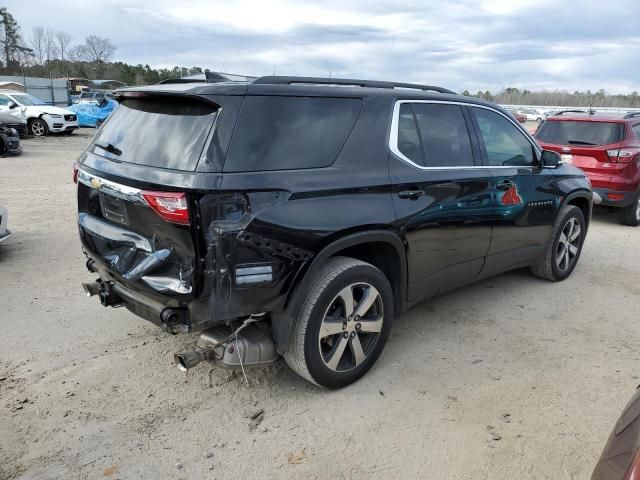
<point>281,133</point>
<point>567,132</point>
<point>164,132</point>
<point>444,134</point>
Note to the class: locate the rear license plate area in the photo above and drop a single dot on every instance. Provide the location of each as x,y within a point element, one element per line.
<point>113,209</point>
<point>567,158</point>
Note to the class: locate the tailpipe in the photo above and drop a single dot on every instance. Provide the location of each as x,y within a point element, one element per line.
<point>186,360</point>
<point>92,288</point>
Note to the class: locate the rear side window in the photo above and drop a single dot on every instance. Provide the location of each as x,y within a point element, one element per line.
<point>164,132</point>
<point>408,137</point>
<point>281,133</point>
<point>444,134</point>
<point>567,132</point>
<point>636,129</point>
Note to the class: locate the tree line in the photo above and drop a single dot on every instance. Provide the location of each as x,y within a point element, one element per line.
<point>47,52</point>
<point>599,98</point>
<point>51,53</point>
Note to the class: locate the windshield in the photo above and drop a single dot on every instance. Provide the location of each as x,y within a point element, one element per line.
<point>28,100</point>
<point>580,133</point>
<point>165,132</point>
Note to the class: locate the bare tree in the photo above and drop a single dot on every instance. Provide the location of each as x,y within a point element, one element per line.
<point>62,40</point>
<point>50,49</point>
<point>38,42</point>
<point>96,49</point>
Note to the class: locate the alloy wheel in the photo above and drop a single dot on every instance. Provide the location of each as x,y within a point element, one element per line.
<point>351,326</point>
<point>37,128</point>
<point>638,209</point>
<point>568,244</point>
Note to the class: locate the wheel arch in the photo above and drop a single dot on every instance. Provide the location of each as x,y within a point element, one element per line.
<point>383,249</point>
<point>582,200</point>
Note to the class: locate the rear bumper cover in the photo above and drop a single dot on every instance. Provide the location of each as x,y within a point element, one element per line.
<point>5,235</point>
<point>626,198</point>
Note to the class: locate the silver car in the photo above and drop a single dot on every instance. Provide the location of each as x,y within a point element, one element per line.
<point>4,231</point>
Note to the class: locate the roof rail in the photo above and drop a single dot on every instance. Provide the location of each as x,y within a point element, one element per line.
<point>631,115</point>
<point>283,80</point>
<point>562,112</point>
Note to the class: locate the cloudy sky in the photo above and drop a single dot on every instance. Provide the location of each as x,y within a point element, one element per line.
<point>466,44</point>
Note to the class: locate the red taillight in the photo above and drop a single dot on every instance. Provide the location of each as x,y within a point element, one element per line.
<point>621,156</point>
<point>171,206</point>
<point>75,172</point>
<point>615,196</point>
<point>633,472</point>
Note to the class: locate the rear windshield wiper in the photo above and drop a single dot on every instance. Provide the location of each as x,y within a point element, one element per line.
<point>580,142</point>
<point>109,148</point>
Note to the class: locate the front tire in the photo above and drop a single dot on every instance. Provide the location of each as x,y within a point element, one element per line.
<point>564,247</point>
<point>630,215</point>
<point>343,323</point>
<point>38,127</point>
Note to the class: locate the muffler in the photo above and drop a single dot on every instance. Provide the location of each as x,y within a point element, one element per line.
<point>250,347</point>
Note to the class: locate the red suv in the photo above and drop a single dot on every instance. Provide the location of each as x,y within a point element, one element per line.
<point>607,148</point>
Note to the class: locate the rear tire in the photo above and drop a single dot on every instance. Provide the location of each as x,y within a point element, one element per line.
<point>630,215</point>
<point>343,323</point>
<point>564,247</point>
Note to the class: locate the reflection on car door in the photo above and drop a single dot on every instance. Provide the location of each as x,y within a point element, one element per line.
<point>524,198</point>
<point>442,196</point>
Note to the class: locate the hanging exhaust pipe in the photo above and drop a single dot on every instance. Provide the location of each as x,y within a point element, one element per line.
<point>186,360</point>
<point>92,288</point>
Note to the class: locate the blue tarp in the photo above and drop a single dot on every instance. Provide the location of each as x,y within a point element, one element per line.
<point>90,113</point>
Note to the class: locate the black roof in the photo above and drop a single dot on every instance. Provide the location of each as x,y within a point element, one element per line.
<point>312,86</point>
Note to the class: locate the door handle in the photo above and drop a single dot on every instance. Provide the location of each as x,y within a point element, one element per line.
<point>505,185</point>
<point>411,194</point>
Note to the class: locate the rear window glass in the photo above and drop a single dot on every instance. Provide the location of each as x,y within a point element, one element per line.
<point>580,133</point>
<point>165,132</point>
<point>280,133</point>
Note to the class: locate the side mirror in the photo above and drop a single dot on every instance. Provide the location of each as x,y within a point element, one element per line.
<point>551,159</point>
<point>12,105</point>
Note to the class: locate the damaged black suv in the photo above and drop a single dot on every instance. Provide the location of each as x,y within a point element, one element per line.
<point>300,216</point>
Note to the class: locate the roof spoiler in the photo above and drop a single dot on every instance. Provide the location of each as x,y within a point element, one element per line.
<point>209,77</point>
<point>284,80</point>
<point>562,112</point>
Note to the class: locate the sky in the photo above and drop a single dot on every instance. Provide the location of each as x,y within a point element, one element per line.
<point>468,44</point>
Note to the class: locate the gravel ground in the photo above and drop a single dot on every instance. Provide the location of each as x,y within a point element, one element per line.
<point>512,377</point>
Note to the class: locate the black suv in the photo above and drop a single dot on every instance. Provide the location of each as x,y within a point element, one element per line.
<point>300,216</point>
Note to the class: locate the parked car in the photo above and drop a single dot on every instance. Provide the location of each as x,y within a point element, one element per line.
<point>301,215</point>
<point>5,233</point>
<point>607,148</point>
<point>17,123</point>
<point>532,115</point>
<point>520,117</point>
<point>92,96</point>
<point>9,141</point>
<point>620,459</point>
<point>94,113</point>
<point>41,118</point>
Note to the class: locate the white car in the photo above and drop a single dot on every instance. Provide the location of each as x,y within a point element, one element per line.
<point>4,231</point>
<point>533,115</point>
<point>41,118</point>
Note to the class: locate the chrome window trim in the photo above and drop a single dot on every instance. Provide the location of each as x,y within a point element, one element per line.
<point>393,136</point>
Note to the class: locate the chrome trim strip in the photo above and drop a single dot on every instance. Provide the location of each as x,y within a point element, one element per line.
<point>393,137</point>
<point>114,189</point>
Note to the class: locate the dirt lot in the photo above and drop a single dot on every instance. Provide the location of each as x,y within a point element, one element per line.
<point>513,377</point>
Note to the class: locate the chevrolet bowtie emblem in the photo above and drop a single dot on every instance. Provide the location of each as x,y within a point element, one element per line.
<point>96,183</point>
